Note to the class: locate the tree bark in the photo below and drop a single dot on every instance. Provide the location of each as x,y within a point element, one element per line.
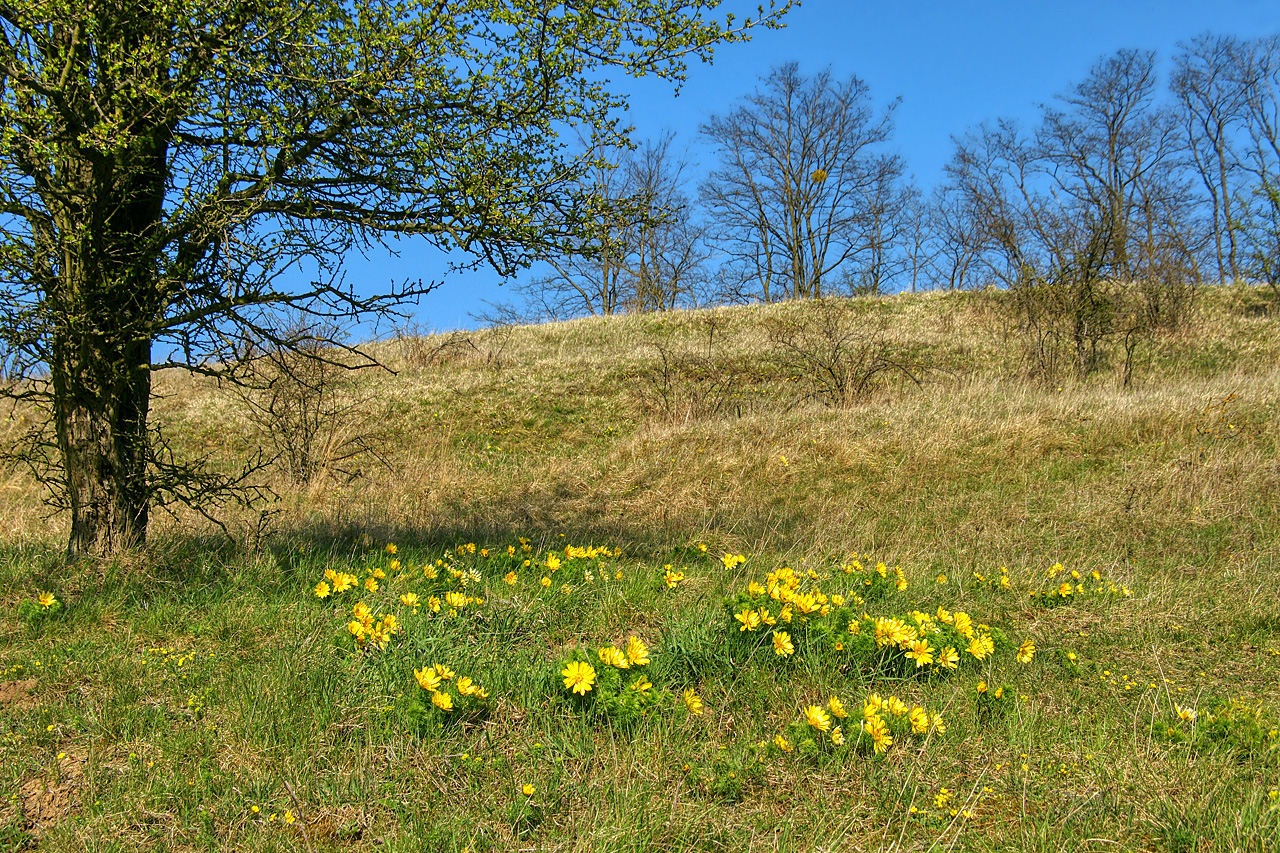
<point>103,395</point>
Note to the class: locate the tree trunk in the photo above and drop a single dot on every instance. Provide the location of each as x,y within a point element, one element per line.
<point>104,304</point>
<point>103,393</point>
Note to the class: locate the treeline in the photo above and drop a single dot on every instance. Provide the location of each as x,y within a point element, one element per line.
<point>1124,179</point>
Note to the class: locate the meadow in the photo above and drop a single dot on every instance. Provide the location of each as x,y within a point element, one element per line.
<point>820,576</point>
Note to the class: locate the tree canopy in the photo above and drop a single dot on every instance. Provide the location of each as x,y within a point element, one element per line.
<point>166,168</point>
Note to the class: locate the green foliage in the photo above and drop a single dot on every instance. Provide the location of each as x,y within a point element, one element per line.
<point>43,610</point>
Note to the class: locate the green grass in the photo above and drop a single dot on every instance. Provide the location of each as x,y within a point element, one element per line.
<point>181,697</point>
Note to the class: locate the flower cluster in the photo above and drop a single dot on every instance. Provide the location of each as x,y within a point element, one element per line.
<point>923,642</point>
<point>1221,724</point>
<point>620,688</point>
<point>435,679</point>
<point>793,612</point>
<point>827,727</point>
<point>1066,586</point>
<point>992,582</point>
<point>453,698</point>
<point>367,631</point>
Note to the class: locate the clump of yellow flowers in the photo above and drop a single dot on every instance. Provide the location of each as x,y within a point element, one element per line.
<point>828,727</point>
<point>828,613</point>
<point>1066,586</point>
<point>618,689</point>
<point>452,697</point>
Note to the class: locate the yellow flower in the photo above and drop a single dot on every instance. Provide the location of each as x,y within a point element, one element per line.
<point>455,600</point>
<point>754,589</point>
<point>371,584</point>
<point>921,653</point>
<point>981,646</point>
<point>444,671</point>
<point>948,658</point>
<point>579,677</point>
<point>817,718</point>
<point>732,560</point>
<point>896,706</point>
<point>919,720</point>
<point>433,604</point>
<point>546,581</point>
<point>636,652</point>
<point>872,705</point>
<point>428,679</point>
<point>837,708</point>
<point>613,656</point>
<point>963,624</point>
<point>693,701</point>
<point>553,562</point>
<point>443,701</point>
<point>893,632</point>
<point>782,743</point>
<point>642,685</point>
<point>344,582</point>
<point>467,687</point>
<point>510,578</point>
<point>410,599</point>
<point>321,591</point>
<point>878,729</point>
<point>1026,652</point>
<point>1186,714</point>
<point>837,736</point>
<point>982,687</point>
<point>528,789</point>
<point>782,645</point>
<point>288,816</point>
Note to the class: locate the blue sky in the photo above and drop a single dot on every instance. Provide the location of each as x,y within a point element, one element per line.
<point>954,64</point>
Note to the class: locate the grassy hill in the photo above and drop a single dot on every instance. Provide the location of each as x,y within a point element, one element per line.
<point>562,489</point>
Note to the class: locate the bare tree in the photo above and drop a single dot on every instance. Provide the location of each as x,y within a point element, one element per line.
<point>665,264</point>
<point>648,252</point>
<point>1212,112</point>
<point>885,231</point>
<point>953,244</point>
<point>794,197</point>
<point>1093,197</point>
<point>1260,85</point>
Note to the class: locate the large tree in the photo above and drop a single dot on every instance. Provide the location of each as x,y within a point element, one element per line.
<point>166,167</point>
<point>803,187</point>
